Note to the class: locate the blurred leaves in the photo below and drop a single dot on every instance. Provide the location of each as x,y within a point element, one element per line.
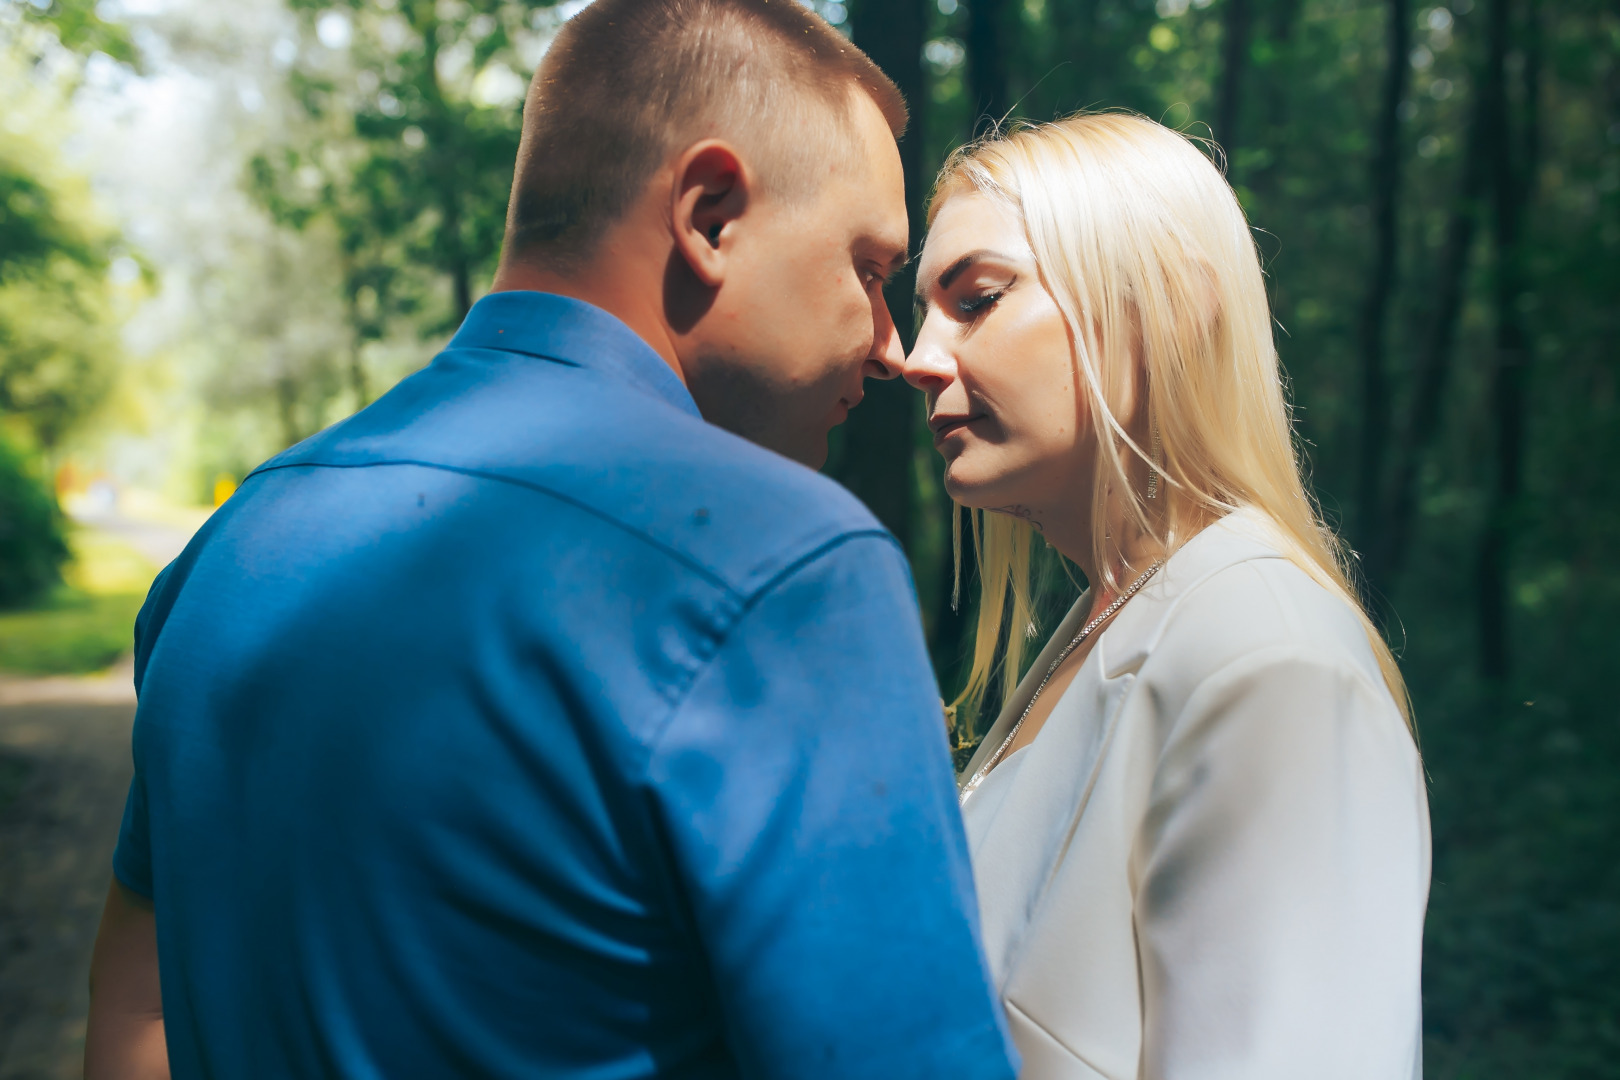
<point>413,113</point>
<point>59,346</point>
<point>78,26</point>
<point>1522,958</point>
<point>32,232</point>
<point>33,544</point>
<point>349,207</point>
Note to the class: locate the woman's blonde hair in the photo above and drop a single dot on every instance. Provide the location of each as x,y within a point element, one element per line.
<point>1145,249</point>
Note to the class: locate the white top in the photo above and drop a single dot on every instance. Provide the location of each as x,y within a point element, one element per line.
<point>1213,859</point>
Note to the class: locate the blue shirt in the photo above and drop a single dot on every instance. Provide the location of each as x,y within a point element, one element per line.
<point>525,724</point>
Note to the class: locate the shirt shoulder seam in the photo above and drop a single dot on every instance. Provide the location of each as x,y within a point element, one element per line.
<point>718,642</point>
<point>708,573</point>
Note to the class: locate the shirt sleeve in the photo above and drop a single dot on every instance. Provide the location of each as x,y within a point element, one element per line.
<point>132,858</point>
<point>1284,869</point>
<point>806,789</point>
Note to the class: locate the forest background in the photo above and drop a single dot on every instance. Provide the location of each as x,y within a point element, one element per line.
<point>223,227</point>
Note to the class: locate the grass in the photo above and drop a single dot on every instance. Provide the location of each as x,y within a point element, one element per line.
<point>87,623</point>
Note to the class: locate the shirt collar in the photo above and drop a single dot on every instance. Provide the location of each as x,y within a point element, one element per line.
<point>572,332</point>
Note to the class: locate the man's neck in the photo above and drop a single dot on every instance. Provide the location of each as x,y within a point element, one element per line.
<point>620,292</point>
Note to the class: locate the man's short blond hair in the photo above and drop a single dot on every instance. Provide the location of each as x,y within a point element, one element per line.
<point>628,82</point>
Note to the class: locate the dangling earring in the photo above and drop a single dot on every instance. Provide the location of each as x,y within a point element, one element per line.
<point>1153,465</point>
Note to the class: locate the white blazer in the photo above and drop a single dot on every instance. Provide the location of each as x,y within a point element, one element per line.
<point>1213,860</point>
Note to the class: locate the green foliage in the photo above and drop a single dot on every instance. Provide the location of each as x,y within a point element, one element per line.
<point>414,121</point>
<point>1523,947</point>
<point>58,350</point>
<point>58,328</point>
<point>398,159</point>
<point>78,26</point>
<point>74,633</point>
<point>1500,286</point>
<point>86,621</point>
<point>31,231</point>
<point>33,546</point>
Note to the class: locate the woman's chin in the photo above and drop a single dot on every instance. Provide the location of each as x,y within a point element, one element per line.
<point>987,481</point>
<point>968,489</point>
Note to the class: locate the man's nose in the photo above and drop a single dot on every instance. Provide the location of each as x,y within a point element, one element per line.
<point>887,359</point>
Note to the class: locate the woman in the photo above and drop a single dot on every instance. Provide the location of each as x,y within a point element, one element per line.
<point>1199,826</point>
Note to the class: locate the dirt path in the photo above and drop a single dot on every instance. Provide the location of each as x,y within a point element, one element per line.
<point>64,770</point>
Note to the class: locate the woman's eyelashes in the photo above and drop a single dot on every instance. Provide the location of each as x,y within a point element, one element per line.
<point>982,295</point>
<point>976,305</point>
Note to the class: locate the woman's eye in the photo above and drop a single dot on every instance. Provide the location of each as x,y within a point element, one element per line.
<point>974,304</point>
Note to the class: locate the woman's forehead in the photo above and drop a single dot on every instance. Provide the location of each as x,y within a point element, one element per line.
<point>972,221</point>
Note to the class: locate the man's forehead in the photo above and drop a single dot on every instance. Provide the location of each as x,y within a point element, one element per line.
<point>877,203</point>
<point>887,235</point>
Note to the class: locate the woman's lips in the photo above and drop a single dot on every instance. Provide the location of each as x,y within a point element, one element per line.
<point>944,429</point>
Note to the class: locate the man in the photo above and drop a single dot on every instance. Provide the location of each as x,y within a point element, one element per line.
<point>531,722</point>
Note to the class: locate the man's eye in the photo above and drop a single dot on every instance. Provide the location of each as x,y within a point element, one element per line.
<point>973,305</point>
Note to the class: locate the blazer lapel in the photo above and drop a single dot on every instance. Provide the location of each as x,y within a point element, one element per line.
<point>1066,629</point>
<point>1023,846</point>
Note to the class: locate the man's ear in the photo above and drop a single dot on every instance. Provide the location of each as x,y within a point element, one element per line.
<point>712,190</point>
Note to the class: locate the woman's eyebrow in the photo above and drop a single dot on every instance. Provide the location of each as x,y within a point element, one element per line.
<point>954,271</point>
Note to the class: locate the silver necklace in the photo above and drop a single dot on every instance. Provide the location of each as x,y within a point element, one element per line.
<point>1074,643</point>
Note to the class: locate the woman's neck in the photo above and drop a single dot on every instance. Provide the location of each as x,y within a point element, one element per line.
<point>1068,529</point>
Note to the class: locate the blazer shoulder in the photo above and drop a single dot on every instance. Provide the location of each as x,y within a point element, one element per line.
<point>1215,612</point>
<point>1264,606</point>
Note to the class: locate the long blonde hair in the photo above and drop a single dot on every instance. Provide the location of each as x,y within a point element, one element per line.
<point>1144,248</point>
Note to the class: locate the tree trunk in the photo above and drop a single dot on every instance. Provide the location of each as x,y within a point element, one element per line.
<point>287,411</point>
<point>1235,35</point>
<point>878,452</point>
<point>987,41</point>
<point>358,384</point>
<point>1076,35</point>
<point>444,131</point>
<point>452,248</point>
<point>1511,186</point>
<point>1386,550</point>
<point>460,271</point>
<point>1384,184</point>
<point>357,369</point>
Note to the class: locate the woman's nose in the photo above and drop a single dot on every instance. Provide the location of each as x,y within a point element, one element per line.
<point>930,367</point>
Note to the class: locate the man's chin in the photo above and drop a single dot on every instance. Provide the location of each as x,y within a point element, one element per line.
<point>817,456</point>
<point>796,443</point>
<point>807,448</point>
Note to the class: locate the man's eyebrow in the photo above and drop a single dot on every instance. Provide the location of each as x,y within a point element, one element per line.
<point>897,262</point>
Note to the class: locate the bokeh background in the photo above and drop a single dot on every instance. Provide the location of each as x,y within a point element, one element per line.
<point>224,226</point>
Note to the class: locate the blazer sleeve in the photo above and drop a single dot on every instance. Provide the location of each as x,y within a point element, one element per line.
<point>805,788</point>
<point>1283,871</point>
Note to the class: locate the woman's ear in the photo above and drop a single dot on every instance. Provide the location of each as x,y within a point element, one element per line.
<point>711,193</point>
